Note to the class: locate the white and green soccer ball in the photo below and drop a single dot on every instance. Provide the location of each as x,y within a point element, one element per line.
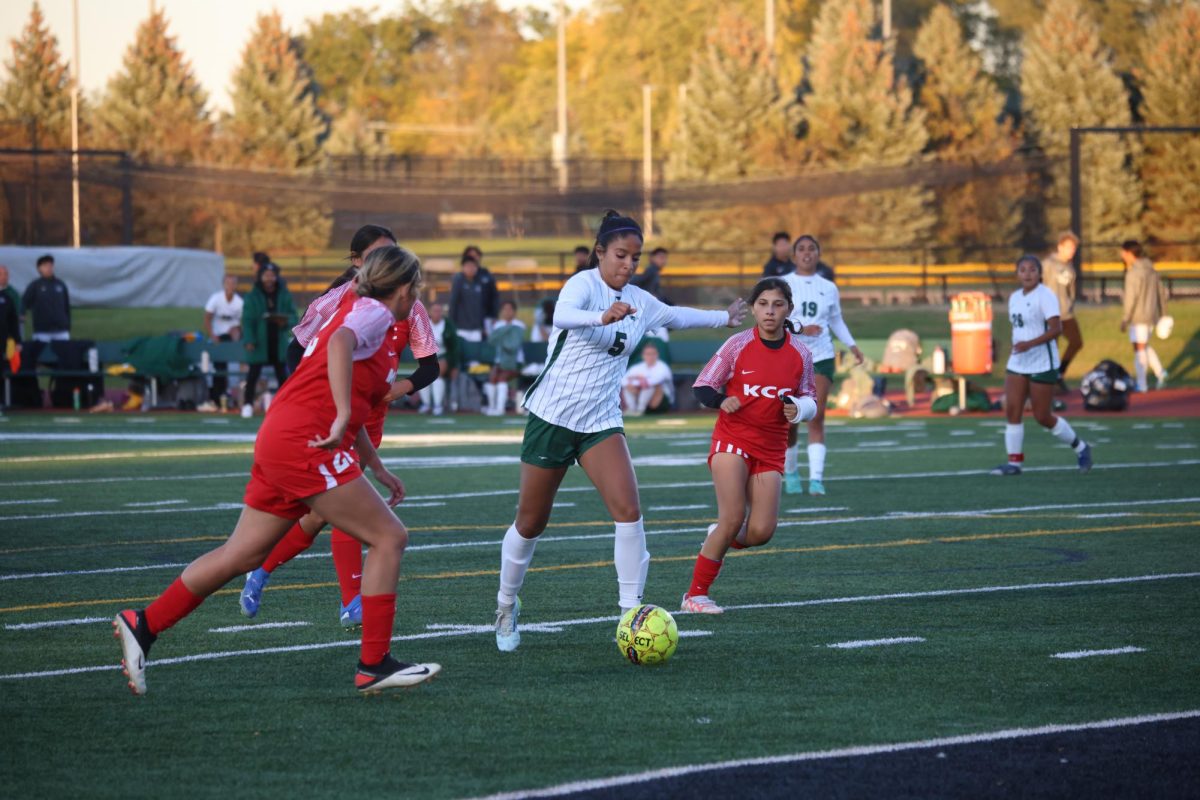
<point>647,635</point>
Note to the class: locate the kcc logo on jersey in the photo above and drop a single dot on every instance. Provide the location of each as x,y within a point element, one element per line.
<point>765,391</point>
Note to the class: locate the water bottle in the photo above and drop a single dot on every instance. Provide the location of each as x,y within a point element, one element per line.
<point>205,362</point>
<point>939,360</point>
<point>93,360</point>
<point>75,398</point>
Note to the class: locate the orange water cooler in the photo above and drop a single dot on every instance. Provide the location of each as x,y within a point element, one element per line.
<point>971,333</point>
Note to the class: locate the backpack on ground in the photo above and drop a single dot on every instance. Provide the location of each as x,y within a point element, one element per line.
<point>902,352</point>
<point>1106,387</point>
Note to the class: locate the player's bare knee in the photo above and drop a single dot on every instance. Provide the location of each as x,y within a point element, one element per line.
<point>1046,419</point>
<point>758,535</point>
<point>530,526</point>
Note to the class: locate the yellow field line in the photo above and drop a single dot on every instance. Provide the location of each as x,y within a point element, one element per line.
<point>827,548</point>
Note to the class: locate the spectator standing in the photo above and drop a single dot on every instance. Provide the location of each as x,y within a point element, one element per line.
<point>780,263</point>
<point>268,314</point>
<point>649,386</point>
<point>223,323</point>
<point>468,303</point>
<point>433,396</point>
<point>650,278</point>
<point>1059,276</point>
<point>1145,304</point>
<point>491,293</point>
<point>7,289</point>
<point>48,302</point>
<point>582,254</point>
<point>10,324</point>
<point>507,338</point>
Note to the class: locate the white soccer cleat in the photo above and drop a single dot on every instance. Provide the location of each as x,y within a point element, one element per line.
<point>129,627</point>
<point>700,604</point>
<point>508,636</point>
<point>392,674</point>
<point>247,411</point>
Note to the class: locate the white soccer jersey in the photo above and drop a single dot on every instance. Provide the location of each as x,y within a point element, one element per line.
<point>580,386</point>
<point>816,301</point>
<point>1028,314</point>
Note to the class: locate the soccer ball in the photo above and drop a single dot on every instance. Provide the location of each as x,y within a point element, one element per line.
<point>647,635</point>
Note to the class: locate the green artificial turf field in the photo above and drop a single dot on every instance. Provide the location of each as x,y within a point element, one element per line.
<point>979,581</point>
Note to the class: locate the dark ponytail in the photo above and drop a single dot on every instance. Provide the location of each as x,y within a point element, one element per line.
<point>611,227</point>
<point>363,238</point>
<point>777,285</point>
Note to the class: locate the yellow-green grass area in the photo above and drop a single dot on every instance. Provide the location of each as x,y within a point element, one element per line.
<point>919,598</point>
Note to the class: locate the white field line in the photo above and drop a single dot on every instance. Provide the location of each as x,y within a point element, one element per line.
<point>678,508</point>
<point>1115,651</point>
<point>859,751</point>
<point>54,623</point>
<point>692,634</point>
<point>260,626</point>
<point>814,510</point>
<point>875,642</point>
<point>40,502</point>
<point>124,512</point>
<point>1105,516</point>
<point>441,631</point>
<point>155,503</point>
<point>890,516</point>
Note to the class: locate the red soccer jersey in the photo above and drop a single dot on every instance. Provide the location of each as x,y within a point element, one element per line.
<point>304,410</point>
<point>759,376</point>
<point>416,332</point>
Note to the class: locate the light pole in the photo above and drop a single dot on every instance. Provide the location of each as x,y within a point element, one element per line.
<point>75,127</point>
<point>769,33</point>
<point>647,164</point>
<point>559,144</point>
<point>887,20</point>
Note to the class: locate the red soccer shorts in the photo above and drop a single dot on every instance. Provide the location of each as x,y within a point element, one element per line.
<point>278,485</point>
<point>754,463</point>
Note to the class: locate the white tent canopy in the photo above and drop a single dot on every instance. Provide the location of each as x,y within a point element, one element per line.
<point>123,276</point>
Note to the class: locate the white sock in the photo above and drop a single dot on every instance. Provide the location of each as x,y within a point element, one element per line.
<point>489,394</point>
<point>1014,439</point>
<point>632,561</point>
<point>791,459</point>
<point>501,397</point>
<point>438,390</point>
<point>630,399</point>
<point>816,462</point>
<point>1063,431</point>
<point>1155,365</point>
<point>644,398</point>
<point>426,396</point>
<point>515,555</point>
<point>1139,367</point>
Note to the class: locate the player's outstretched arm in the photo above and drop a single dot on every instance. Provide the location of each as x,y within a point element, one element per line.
<point>682,317</point>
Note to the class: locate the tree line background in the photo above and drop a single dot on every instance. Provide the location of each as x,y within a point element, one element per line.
<point>959,83</point>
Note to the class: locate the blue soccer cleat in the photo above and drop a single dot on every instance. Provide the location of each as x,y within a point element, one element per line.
<point>792,483</point>
<point>351,614</point>
<point>1085,458</point>
<point>507,634</point>
<point>816,488</point>
<point>252,591</point>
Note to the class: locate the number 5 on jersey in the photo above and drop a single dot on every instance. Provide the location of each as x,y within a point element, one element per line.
<point>618,344</point>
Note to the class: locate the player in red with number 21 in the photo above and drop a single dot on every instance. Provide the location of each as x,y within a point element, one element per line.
<point>306,457</point>
<point>761,380</point>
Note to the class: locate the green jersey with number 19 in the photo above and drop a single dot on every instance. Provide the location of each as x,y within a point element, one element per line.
<point>580,386</point>
<point>816,301</point>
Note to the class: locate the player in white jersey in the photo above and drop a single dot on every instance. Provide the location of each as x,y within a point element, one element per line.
<point>575,411</point>
<point>1032,369</point>
<point>816,313</point>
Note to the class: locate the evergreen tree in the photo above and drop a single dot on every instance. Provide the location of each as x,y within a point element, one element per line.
<point>1170,79</point>
<point>37,94</point>
<point>1067,80</point>
<point>734,115</point>
<point>275,122</point>
<point>962,114</point>
<point>859,115</point>
<point>154,108</point>
<point>275,125</point>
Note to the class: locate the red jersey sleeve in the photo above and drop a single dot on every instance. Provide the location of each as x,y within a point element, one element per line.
<point>807,387</point>
<point>719,369</point>
<point>421,339</point>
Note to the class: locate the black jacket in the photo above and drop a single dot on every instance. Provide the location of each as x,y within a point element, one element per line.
<point>775,268</point>
<point>649,279</point>
<point>10,326</point>
<point>48,301</point>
